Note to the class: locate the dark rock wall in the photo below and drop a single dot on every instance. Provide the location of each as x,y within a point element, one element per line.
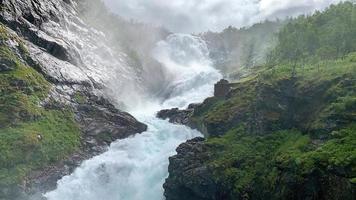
<point>189,178</point>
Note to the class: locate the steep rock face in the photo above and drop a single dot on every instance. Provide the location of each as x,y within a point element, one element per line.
<point>63,46</point>
<point>52,49</point>
<point>189,178</point>
<point>33,20</point>
<point>50,38</point>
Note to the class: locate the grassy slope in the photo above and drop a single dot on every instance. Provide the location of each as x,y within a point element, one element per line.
<point>284,136</point>
<point>22,118</point>
<point>289,131</point>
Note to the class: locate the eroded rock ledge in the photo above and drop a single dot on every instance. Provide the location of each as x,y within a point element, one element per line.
<point>177,116</point>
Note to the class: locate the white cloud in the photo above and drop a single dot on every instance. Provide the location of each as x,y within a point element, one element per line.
<point>203,15</point>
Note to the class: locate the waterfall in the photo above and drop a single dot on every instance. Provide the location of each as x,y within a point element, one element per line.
<point>135,168</point>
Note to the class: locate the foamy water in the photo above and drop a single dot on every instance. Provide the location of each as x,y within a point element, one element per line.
<point>135,168</point>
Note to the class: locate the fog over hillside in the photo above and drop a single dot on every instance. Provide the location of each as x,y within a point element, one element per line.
<point>202,15</point>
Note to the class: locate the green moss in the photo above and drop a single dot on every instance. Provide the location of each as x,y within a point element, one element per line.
<point>353,181</point>
<point>273,99</point>
<point>29,146</point>
<point>338,152</point>
<point>260,165</point>
<point>31,136</point>
<point>244,160</point>
<point>79,98</point>
<point>351,57</point>
<point>21,90</point>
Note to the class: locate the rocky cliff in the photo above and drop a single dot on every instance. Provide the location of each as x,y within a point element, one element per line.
<point>274,136</point>
<point>54,108</point>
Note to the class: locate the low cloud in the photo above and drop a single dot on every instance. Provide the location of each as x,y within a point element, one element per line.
<point>190,16</point>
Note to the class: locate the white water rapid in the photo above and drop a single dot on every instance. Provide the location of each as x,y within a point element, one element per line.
<point>135,168</point>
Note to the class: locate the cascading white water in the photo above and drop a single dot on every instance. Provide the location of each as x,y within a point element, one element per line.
<point>135,168</point>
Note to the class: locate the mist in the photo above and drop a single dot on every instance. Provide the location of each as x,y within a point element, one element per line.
<point>194,16</point>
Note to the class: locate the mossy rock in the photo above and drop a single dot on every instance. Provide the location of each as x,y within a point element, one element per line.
<point>31,136</point>
<point>284,136</point>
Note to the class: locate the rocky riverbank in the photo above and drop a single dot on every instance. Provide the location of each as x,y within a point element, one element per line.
<point>271,137</point>
<point>285,129</point>
<point>100,124</point>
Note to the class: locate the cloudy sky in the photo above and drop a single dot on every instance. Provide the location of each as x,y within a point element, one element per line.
<point>193,16</point>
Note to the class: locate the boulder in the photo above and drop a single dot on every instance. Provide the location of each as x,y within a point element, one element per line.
<point>176,116</point>
<point>189,178</point>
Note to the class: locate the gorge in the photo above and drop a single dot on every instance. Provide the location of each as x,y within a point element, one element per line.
<point>136,168</point>
<point>94,106</point>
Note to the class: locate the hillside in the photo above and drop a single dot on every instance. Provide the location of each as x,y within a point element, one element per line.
<point>285,131</point>
<point>234,49</point>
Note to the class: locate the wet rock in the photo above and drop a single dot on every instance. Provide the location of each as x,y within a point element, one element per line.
<point>100,123</point>
<point>45,31</point>
<point>27,18</point>
<point>189,178</point>
<point>68,1</point>
<point>103,123</point>
<point>40,24</point>
<point>176,116</point>
<point>194,105</point>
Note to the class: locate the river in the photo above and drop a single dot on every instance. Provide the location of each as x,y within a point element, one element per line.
<point>135,168</point>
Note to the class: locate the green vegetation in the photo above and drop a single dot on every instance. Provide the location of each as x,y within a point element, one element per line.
<point>31,136</point>
<point>287,130</point>
<point>79,98</point>
<point>273,99</point>
<point>325,35</point>
<point>270,166</point>
<point>244,47</point>
<point>279,136</point>
<point>32,145</point>
<point>245,160</point>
